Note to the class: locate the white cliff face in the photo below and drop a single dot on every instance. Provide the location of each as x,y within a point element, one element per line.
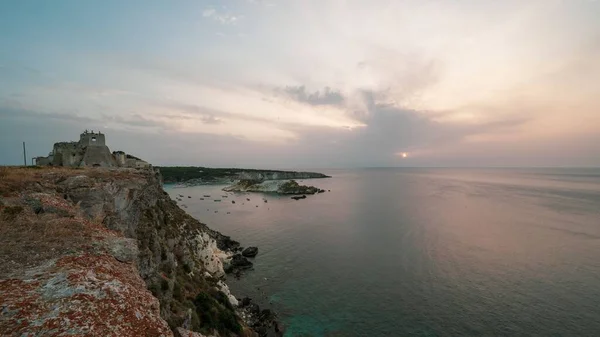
<point>174,251</point>
<point>221,286</point>
<point>277,175</point>
<point>210,254</point>
<point>268,186</point>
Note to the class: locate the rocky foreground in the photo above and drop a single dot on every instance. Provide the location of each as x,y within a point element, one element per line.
<point>106,252</point>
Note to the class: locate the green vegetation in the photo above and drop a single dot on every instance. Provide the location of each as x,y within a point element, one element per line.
<point>246,183</point>
<point>289,185</point>
<point>177,293</point>
<point>175,174</point>
<point>164,285</point>
<point>215,312</point>
<point>292,187</point>
<point>128,156</point>
<point>154,289</point>
<point>11,212</point>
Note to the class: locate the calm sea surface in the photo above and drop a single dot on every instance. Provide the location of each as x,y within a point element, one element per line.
<point>423,252</point>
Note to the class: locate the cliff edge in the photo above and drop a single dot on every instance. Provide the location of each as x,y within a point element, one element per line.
<point>106,252</point>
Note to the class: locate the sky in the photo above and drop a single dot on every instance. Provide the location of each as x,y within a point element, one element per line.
<point>306,84</point>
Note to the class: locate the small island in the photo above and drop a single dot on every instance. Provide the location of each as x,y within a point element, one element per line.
<point>272,186</point>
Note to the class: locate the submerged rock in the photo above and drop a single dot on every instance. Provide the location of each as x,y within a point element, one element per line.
<point>263,322</point>
<point>240,262</point>
<point>244,301</point>
<point>250,252</point>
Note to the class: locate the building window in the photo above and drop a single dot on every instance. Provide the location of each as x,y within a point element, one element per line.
<point>93,139</point>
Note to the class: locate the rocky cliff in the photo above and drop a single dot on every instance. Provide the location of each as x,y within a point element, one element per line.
<point>106,252</point>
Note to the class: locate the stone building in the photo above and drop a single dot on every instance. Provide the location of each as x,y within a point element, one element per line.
<point>90,150</point>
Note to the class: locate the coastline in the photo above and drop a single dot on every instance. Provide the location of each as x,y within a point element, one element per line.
<point>187,176</point>
<point>122,220</point>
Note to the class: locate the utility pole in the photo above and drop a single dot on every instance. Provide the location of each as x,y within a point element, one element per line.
<point>24,155</point>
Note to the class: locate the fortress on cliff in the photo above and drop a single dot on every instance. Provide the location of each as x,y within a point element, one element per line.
<point>89,151</point>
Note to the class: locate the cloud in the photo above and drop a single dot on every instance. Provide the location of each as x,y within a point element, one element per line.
<point>205,114</point>
<point>437,80</point>
<point>209,12</point>
<point>326,97</point>
<point>265,3</point>
<point>18,113</point>
<point>135,120</point>
<point>223,18</point>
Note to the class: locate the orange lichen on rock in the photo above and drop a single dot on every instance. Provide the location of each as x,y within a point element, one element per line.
<point>92,295</point>
<point>62,273</point>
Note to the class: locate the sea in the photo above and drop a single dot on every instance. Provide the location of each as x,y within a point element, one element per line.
<point>421,252</point>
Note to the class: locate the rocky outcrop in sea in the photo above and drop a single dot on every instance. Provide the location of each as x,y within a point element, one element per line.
<point>106,252</point>
<point>272,186</point>
<point>278,175</point>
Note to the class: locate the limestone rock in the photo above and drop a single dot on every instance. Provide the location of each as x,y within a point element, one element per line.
<point>187,333</point>
<point>124,250</point>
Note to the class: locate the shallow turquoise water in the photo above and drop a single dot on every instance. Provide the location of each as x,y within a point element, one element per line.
<point>423,252</point>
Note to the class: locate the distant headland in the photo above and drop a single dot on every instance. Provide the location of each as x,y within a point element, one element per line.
<point>194,175</point>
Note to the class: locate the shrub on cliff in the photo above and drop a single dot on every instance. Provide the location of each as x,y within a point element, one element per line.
<point>10,213</point>
<point>216,313</point>
<point>289,186</point>
<point>247,183</point>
